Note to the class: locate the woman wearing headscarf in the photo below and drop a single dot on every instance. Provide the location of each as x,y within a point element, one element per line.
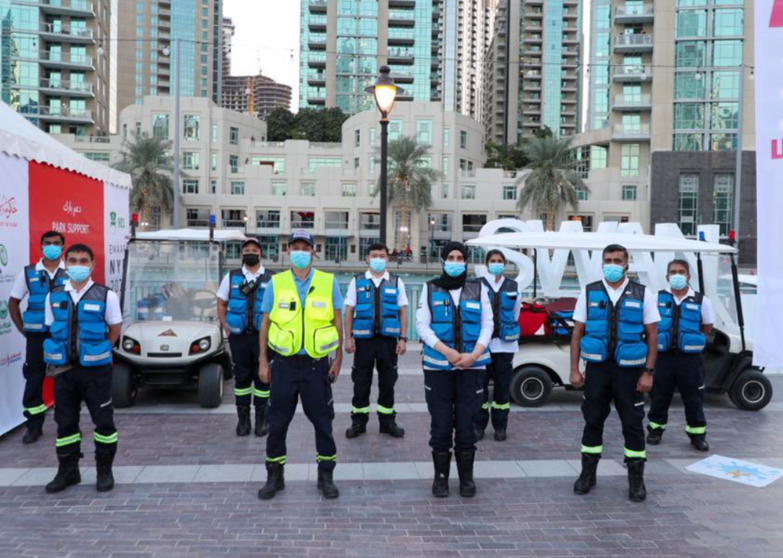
<point>455,323</point>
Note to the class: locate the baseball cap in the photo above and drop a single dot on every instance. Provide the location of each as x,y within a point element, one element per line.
<point>301,235</point>
<point>251,240</point>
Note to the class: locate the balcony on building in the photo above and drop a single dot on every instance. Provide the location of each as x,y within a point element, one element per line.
<point>633,133</point>
<point>401,75</point>
<point>164,12</point>
<point>472,225</point>
<point>401,37</point>
<point>267,222</point>
<point>402,18</point>
<point>369,224</point>
<point>164,34</point>
<point>64,114</point>
<point>316,79</point>
<point>336,224</point>
<point>66,88</point>
<point>633,43</point>
<point>316,42</point>
<point>197,218</point>
<point>632,74</point>
<point>633,103</point>
<point>65,33</point>
<point>571,14</point>
<point>635,13</point>
<point>317,24</point>
<point>405,4</point>
<point>318,6</point>
<point>400,56</point>
<point>74,8</point>
<point>65,61</point>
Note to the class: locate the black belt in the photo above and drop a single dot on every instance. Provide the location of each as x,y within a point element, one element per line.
<point>301,360</point>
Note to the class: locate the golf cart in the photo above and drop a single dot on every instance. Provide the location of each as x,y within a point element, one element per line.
<point>543,361</point>
<point>171,335</point>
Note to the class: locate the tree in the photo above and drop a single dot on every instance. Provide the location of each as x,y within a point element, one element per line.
<point>151,167</point>
<point>410,180</point>
<point>279,124</point>
<point>507,157</point>
<point>316,125</point>
<point>551,183</point>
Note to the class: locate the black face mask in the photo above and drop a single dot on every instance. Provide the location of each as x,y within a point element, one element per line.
<point>251,260</point>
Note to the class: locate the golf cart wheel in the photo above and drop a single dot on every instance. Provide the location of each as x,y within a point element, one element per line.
<point>123,388</point>
<point>531,386</point>
<point>210,385</point>
<point>751,391</point>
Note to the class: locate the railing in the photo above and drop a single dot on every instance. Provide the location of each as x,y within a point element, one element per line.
<point>631,129</point>
<point>76,32</point>
<point>85,139</point>
<point>407,15</point>
<point>64,112</point>
<point>302,224</point>
<point>642,72</point>
<point>81,5</point>
<point>66,85</point>
<point>234,223</point>
<point>623,11</point>
<point>198,222</point>
<point>632,100</point>
<point>268,224</point>
<point>66,58</point>
<point>634,40</point>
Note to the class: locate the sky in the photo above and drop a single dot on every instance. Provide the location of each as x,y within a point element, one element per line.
<point>266,38</point>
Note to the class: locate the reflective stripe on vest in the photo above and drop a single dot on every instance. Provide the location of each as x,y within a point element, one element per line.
<point>376,311</point>
<point>503,304</point>
<point>291,328</point>
<point>680,325</point>
<point>39,285</point>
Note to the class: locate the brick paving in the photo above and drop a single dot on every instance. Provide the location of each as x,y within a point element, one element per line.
<point>153,514</point>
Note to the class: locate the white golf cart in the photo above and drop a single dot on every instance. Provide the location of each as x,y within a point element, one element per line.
<point>543,360</point>
<point>171,336</point>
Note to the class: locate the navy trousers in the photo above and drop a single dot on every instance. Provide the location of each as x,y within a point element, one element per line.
<point>34,374</point>
<point>248,387</point>
<point>453,398</point>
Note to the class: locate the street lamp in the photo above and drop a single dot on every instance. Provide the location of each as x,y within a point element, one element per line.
<point>167,52</point>
<point>385,92</point>
<point>245,220</point>
<point>432,239</point>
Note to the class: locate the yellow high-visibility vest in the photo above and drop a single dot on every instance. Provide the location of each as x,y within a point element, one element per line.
<point>293,327</point>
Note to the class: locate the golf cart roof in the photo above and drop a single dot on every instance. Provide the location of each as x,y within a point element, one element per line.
<point>191,235</point>
<point>599,241</point>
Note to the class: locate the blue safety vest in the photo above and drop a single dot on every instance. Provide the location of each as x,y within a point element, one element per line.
<point>615,331</point>
<point>377,311</point>
<point>38,286</point>
<point>458,327</point>
<point>79,332</point>
<point>503,303</point>
<point>680,325</point>
<point>244,301</point>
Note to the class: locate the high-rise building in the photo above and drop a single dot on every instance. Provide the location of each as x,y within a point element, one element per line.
<point>148,30</point>
<point>55,63</point>
<point>532,75</point>
<point>434,49</point>
<point>258,95</point>
<point>229,29</point>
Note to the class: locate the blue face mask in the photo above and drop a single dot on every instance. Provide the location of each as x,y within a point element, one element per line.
<point>378,265</point>
<point>51,252</point>
<point>454,269</point>
<point>300,259</point>
<point>496,268</point>
<point>78,273</point>
<point>613,272</point>
<point>678,282</point>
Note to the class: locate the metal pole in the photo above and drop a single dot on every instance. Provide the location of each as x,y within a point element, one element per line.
<point>384,174</point>
<point>175,223</point>
<point>738,172</point>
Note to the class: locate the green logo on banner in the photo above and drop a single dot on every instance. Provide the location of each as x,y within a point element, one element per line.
<point>3,310</point>
<point>3,255</point>
<point>113,217</point>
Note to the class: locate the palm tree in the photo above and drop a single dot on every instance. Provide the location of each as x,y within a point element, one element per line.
<point>147,159</point>
<point>410,180</point>
<point>550,184</point>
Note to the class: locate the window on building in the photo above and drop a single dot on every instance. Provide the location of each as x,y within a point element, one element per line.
<point>214,135</point>
<point>307,189</point>
<point>509,193</point>
<point>302,220</point>
<point>688,116</point>
<point>190,186</point>
<point>233,162</point>
<point>728,23</point>
<point>688,142</point>
<point>468,192</point>
<point>278,188</point>
<point>234,136</point>
<point>688,203</point>
<point>357,138</point>
<point>213,161</point>
<point>446,137</point>
<point>197,217</point>
<point>357,161</point>
<point>424,132</point>
<point>629,160</point>
<point>268,219</point>
<point>463,139</point>
<point>237,188</point>
<point>160,126</point>
<point>586,220</point>
<point>472,223</point>
<point>444,191</point>
<point>629,192</point>
<point>277,163</point>
<point>395,129</point>
<point>233,218</point>
<point>723,202</point>
<point>349,190</point>
<point>582,194</point>
<point>691,23</point>
<point>336,220</point>
<point>192,127</point>
<point>190,160</point>
<point>690,53</point>
<point>213,186</point>
<point>598,157</point>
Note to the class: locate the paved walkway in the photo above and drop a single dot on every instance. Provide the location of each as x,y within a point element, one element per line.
<point>186,487</point>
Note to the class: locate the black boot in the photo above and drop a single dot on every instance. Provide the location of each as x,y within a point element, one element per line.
<point>262,429</point>
<point>275,481</point>
<point>103,464</point>
<point>441,460</point>
<point>637,492</point>
<point>654,436</point>
<point>479,433</point>
<point>389,426</point>
<point>467,487</point>
<point>32,434</point>
<point>326,484</point>
<point>500,435</point>
<point>699,441</point>
<point>243,426</point>
<point>586,479</point>
<point>67,474</point>
<point>356,429</point>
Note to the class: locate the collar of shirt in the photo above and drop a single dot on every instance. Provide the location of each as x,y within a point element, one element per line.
<point>619,289</point>
<point>251,276</point>
<point>41,267</point>
<point>690,292</point>
<point>496,284</point>
<point>70,288</point>
<point>385,277</point>
<point>306,280</point>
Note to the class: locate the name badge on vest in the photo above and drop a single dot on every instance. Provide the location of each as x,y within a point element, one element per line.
<point>692,306</point>
<point>284,305</point>
<point>92,307</point>
<point>317,304</point>
<point>34,279</point>
<point>633,304</point>
<point>472,305</point>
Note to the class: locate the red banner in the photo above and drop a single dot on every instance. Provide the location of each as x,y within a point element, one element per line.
<point>68,203</point>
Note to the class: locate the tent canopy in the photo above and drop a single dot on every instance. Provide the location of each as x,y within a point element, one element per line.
<point>191,235</point>
<point>599,241</point>
<point>20,138</point>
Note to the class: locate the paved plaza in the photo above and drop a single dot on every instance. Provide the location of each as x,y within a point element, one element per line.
<point>186,488</point>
